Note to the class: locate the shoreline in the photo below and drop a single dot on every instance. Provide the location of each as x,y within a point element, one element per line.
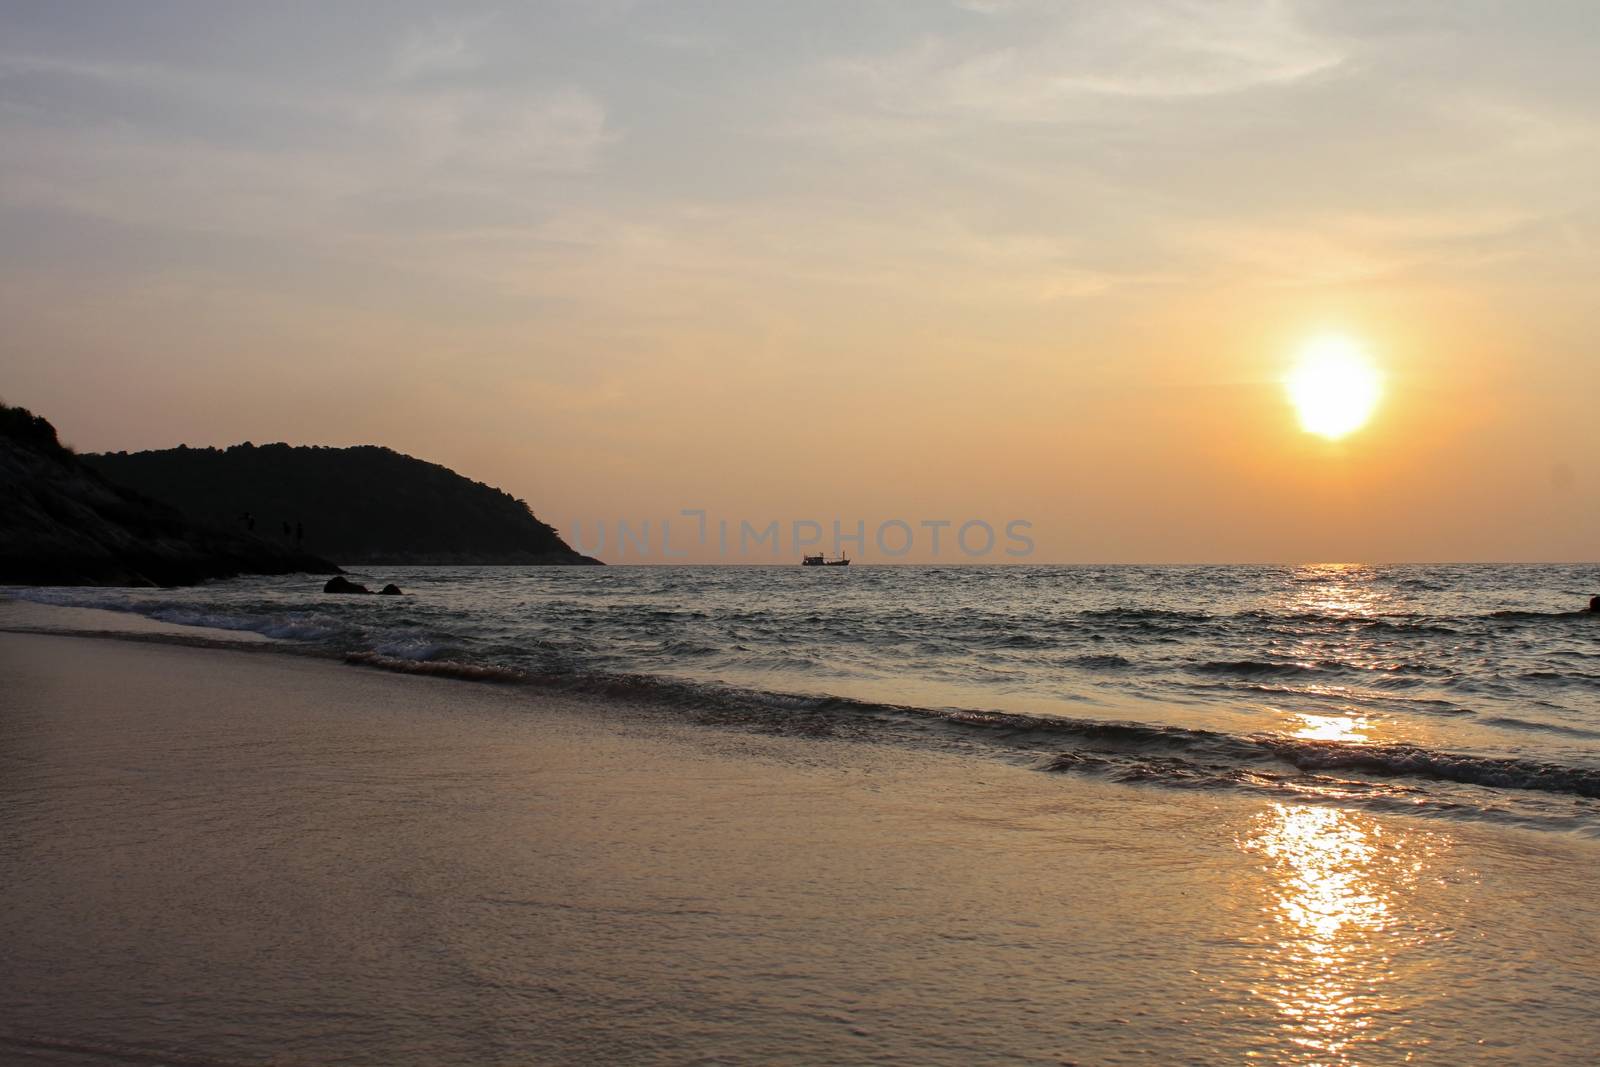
<point>224,857</point>
<point>1115,736</point>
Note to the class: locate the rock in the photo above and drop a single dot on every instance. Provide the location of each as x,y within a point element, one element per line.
<point>340,584</point>
<point>62,523</point>
<point>390,590</point>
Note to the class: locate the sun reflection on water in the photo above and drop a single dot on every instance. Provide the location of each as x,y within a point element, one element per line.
<point>1330,727</point>
<point>1335,589</point>
<point>1325,857</point>
<point>1341,636</point>
<point>1337,915</point>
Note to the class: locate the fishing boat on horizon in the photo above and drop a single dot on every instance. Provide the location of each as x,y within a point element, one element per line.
<point>820,560</point>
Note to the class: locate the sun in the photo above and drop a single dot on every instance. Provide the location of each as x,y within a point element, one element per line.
<point>1334,387</point>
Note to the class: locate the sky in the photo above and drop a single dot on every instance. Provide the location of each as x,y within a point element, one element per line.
<point>867,261</point>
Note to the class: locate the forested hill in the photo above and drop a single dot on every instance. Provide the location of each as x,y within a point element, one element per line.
<point>355,505</point>
<point>62,523</point>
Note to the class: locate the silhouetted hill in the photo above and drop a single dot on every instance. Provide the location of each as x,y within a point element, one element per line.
<point>357,505</point>
<point>62,523</point>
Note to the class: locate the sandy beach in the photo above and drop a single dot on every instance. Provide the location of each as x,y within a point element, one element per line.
<point>235,857</point>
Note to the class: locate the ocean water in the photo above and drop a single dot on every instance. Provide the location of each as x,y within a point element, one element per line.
<point>1468,692</point>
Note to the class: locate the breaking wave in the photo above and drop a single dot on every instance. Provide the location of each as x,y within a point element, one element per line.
<point>1478,686</point>
<point>1225,756</point>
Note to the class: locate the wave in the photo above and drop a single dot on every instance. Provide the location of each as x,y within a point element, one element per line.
<point>1386,675</point>
<point>1398,625</point>
<point>1223,755</point>
<point>285,626</point>
<point>635,651</point>
<point>1560,678</point>
<point>1146,615</point>
<point>1341,695</point>
<point>1512,722</point>
<point>1416,762</point>
<point>292,627</point>
<point>1124,751</point>
<point>444,668</point>
<point>412,648</point>
<point>1101,661</point>
<point>1389,760</point>
<point>1395,622</point>
<point>1248,668</point>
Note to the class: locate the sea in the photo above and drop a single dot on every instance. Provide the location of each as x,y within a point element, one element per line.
<point>1456,692</point>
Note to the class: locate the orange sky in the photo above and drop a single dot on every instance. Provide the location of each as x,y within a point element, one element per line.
<point>998,261</point>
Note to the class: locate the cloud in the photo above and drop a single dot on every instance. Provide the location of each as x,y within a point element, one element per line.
<point>1054,65</point>
<point>475,135</point>
<point>1020,153</point>
<point>189,149</point>
<point>438,48</point>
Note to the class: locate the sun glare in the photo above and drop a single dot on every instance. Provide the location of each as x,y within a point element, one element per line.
<point>1334,387</point>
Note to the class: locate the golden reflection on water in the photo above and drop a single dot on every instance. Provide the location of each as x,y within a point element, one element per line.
<point>1335,589</point>
<point>1330,727</point>
<point>1339,591</point>
<point>1338,911</point>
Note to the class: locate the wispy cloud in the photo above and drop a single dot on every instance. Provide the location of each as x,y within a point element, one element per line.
<point>480,136</point>
<point>1060,61</point>
<point>438,47</point>
<point>160,146</point>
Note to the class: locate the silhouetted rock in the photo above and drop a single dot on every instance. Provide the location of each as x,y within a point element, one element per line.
<point>341,584</point>
<point>62,523</point>
<point>1594,604</point>
<point>390,590</point>
<point>364,505</point>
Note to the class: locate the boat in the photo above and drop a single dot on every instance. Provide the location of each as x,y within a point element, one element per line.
<point>824,561</point>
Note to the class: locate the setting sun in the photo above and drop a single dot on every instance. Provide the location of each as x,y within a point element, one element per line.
<point>1333,386</point>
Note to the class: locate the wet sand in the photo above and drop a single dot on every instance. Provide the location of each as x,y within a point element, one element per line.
<point>239,857</point>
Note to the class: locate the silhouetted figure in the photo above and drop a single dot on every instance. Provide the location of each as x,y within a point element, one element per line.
<point>249,522</point>
<point>286,529</point>
<point>390,590</point>
<point>340,584</point>
<point>299,532</point>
